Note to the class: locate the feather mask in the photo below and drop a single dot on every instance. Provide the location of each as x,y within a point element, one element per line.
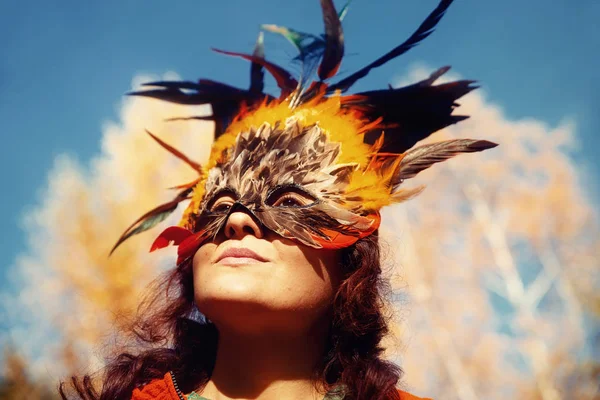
<point>314,165</point>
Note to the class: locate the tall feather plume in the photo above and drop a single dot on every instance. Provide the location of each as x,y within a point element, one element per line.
<point>421,33</point>
<point>334,41</point>
<point>257,74</point>
<point>329,48</point>
<point>310,50</point>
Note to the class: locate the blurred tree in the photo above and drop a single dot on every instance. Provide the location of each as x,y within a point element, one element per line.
<point>75,293</point>
<point>499,254</point>
<point>16,384</point>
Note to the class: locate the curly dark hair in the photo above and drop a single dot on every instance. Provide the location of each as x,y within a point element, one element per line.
<point>172,341</point>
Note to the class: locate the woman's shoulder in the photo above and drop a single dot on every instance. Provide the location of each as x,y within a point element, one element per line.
<point>163,389</point>
<point>158,389</point>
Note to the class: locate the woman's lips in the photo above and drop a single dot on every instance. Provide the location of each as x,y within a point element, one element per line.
<point>239,256</point>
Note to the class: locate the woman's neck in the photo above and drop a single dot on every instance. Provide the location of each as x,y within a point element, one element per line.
<point>265,366</point>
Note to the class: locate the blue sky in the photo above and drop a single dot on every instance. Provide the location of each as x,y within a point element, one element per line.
<point>65,66</point>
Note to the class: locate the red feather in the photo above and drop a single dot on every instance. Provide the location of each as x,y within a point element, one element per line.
<point>175,234</point>
<point>190,245</point>
<point>187,241</point>
<point>176,152</point>
<point>338,240</point>
<point>286,82</point>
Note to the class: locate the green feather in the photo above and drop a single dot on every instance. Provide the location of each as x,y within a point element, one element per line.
<point>344,11</point>
<point>297,38</point>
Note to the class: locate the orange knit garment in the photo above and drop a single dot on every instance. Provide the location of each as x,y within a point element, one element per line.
<point>163,389</point>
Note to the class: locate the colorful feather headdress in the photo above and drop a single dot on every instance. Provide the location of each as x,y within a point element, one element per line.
<point>313,164</point>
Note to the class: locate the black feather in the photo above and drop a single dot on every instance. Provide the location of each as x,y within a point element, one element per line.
<point>334,41</point>
<point>411,113</point>
<point>424,30</point>
<point>224,99</point>
<point>257,73</point>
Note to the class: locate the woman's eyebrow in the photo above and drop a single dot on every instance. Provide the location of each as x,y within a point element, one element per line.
<point>292,187</point>
<point>225,190</point>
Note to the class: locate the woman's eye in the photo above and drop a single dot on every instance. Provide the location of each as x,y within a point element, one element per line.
<point>222,204</point>
<point>292,199</point>
<point>222,207</point>
<point>287,201</point>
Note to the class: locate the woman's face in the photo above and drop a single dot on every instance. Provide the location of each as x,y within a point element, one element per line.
<point>251,279</point>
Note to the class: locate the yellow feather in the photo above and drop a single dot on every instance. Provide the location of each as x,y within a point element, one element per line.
<point>194,205</point>
<point>340,125</point>
<point>368,189</point>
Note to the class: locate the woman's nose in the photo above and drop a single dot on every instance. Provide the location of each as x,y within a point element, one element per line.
<point>240,224</point>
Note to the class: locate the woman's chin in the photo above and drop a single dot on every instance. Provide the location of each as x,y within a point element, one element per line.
<point>231,283</point>
<point>235,298</point>
<point>232,297</point>
<point>242,315</point>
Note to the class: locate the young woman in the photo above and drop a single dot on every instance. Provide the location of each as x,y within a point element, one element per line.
<point>277,291</point>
